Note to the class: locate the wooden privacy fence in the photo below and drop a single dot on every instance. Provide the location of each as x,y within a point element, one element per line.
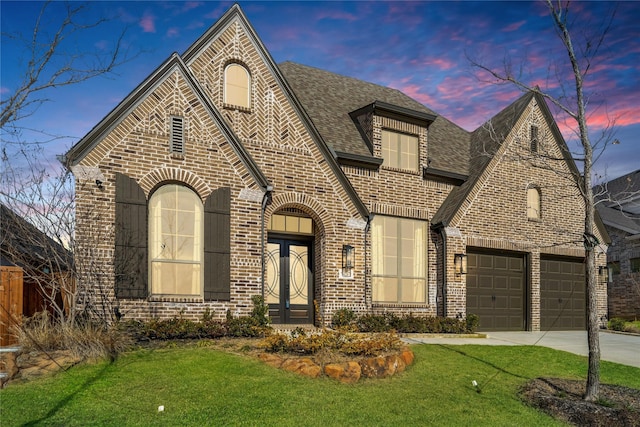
<point>11,288</point>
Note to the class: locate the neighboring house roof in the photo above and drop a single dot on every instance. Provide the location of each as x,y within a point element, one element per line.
<point>24,245</point>
<point>619,202</point>
<point>622,193</point>
<point>615,218</point>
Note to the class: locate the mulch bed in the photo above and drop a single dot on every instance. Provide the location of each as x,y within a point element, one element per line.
<point>562,399</point>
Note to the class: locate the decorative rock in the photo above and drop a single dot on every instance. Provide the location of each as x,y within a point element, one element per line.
<point>304,366</point>
<point>407,356</point>
<point>373,367</point>
<point>271,359</point>
<point>8,366</point>
<point>345,372</point>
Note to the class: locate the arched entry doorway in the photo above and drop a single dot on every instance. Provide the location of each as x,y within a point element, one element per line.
<point>289,267</point>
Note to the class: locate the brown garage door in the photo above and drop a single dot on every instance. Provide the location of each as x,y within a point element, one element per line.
<point>496,286</point>
<point>562,295</point>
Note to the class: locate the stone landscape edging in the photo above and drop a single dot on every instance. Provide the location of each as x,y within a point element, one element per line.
<point>346,372</point>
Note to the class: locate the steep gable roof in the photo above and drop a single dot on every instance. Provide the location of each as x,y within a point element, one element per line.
<point>330,98</point>
<point>235,14</point>
<point>484,144</point>
<point>75,155</point>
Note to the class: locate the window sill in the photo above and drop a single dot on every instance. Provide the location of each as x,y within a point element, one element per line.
<point>400,305</point>
<point>405,171</point>
<point>534,219</point>
<point>175,298</point>
<point>178,156</point>
<point>236,107</point>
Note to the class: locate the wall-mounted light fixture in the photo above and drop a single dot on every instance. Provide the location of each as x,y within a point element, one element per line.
<point>460,263</point>
<point>99,184</point>
<point>348,257</point>
<point>605,274</point>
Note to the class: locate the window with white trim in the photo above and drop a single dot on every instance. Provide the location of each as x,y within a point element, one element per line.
<point>399,260</point>
<point>176,241</point>
<point>237,84</point>
<point>400,151</point>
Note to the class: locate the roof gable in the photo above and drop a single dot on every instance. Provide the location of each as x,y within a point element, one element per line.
<point>174,64</point>
<point>203,50</point>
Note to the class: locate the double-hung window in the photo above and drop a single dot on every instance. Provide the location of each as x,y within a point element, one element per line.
<point>176,241</point>
<point>400,151</point>
<point>399,260</point>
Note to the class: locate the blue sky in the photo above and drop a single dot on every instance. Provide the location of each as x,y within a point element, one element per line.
<point>421,48</point>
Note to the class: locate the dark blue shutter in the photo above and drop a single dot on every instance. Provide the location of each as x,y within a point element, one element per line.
<point>131,268</point>
<point>217,245</point>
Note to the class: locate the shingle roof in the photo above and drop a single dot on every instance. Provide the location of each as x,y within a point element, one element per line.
<point>22,244</point>
<point>328,98</point>
<point>617,219</point>
<point>484,143</point>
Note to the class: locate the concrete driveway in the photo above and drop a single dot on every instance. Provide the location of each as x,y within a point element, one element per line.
<point>619,348</point>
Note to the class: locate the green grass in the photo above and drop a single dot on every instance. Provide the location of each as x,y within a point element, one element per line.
<point>202,386</point>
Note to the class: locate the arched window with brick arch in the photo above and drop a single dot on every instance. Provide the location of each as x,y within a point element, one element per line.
<point>533,203</point>
<point>237,86</point>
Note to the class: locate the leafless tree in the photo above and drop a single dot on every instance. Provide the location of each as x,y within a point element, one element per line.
<point>54,62</point>
<point>572,102</point>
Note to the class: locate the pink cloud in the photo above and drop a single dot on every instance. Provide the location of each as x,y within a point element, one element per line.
<point>337,15</point>
<point>148,23</point>
<point>173,32</point>
<point>514,27</point>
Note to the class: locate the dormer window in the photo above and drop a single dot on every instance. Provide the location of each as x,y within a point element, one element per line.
<point>237,83</point>
<point>400,151</point>
<point>176,137</point>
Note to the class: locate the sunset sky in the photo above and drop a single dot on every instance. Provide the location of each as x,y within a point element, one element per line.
<point>420,48</point>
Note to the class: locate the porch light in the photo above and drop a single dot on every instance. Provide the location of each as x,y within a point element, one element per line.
<point>348,254</point>
<point>460,263</point>
<point>605,274</point>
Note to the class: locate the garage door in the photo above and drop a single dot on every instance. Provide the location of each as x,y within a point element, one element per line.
<point>562,295</point>
<point>496,286</point>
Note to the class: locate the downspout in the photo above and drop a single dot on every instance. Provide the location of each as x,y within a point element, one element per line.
<point>266,201</point>
<point>441,228</point>
<point>367,249</point>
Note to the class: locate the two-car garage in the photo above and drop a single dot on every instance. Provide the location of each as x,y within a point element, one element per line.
<point>498,291</point>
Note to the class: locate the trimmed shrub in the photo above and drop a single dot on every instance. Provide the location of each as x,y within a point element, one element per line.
<point>343,318</point>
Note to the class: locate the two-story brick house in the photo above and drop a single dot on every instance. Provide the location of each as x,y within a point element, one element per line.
<point>224,175</point>
<point>619,208</point>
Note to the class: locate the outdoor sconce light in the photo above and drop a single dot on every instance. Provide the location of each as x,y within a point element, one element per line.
<point>348,254</point>
<point>605,274</point>
<point>460,263</point>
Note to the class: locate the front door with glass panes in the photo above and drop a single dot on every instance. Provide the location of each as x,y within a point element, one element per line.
<point>289,276</point>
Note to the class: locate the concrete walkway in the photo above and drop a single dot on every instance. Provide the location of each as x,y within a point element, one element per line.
<point>619,348</point>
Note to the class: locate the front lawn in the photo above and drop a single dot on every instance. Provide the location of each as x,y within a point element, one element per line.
<point>202,386</point>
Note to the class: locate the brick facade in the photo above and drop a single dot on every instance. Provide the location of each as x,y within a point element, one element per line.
<point>282,144</point>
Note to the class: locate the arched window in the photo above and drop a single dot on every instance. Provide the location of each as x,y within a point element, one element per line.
<point>176,241</point>
<point>237,86</point>
<point>533,203</point>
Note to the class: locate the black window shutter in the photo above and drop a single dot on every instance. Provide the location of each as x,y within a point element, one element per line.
<point>131,239</point>
<point>217,245</point>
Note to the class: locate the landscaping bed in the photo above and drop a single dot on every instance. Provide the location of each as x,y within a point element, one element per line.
<point>562,399</point>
